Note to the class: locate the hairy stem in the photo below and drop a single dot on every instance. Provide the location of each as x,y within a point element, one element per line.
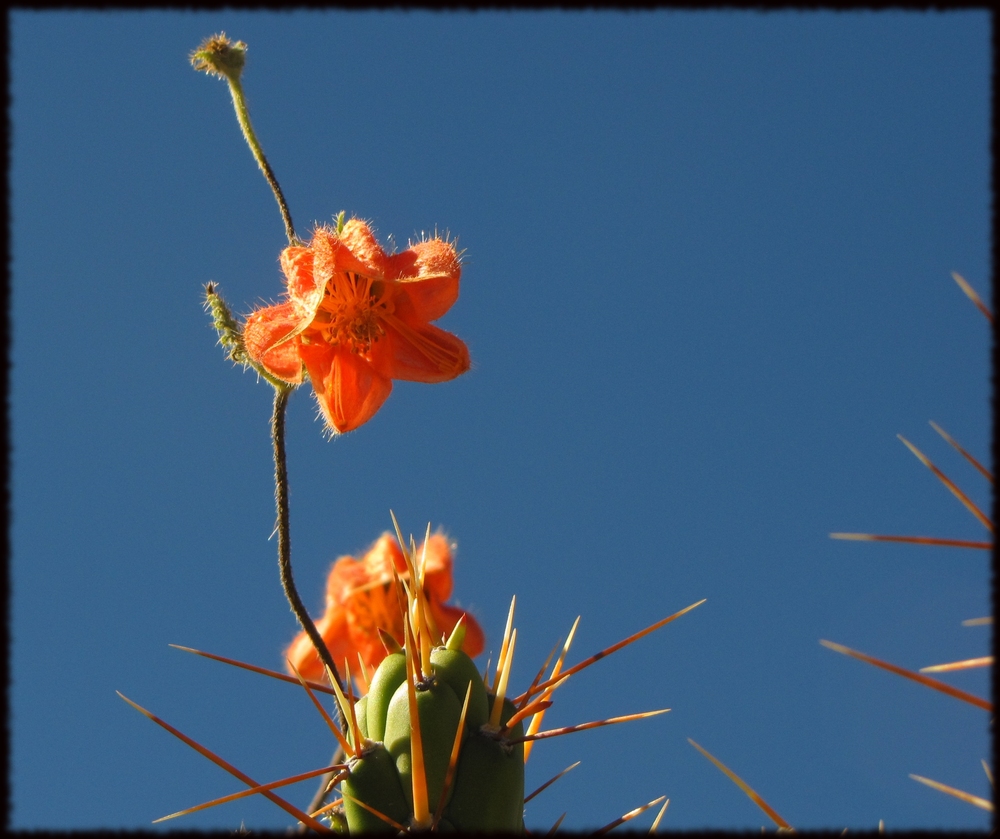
<point>243,117</point>
<point>281,395</point>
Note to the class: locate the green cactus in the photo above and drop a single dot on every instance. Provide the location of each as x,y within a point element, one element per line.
<point>439,710</point>
<point>489,782</point>
<point>434,746</point>
<point>486,790</point>
<point>418,759</point>
<point>373,780</point>
<point>390,675</point>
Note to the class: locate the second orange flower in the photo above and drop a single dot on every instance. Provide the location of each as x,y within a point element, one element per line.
<point>361,599</point>
<point>356,318</point>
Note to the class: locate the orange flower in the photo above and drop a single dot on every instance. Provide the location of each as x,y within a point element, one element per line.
<point>361,599</point>
<point>357,318</point>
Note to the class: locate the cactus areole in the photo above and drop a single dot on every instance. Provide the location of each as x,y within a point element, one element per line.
<point>484,792</point>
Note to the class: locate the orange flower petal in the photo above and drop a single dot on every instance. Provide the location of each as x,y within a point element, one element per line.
<point>368,610</point>
<point>333,629</point>
<point>383,555</point>
<point>358,238</point>
<point>361,599</point>
<point>303,290</point>
<point>357,318</point>
<point>297,266</point>
<point>428,275</point>
<point>332,254</point>
<point>349,389</point>
<point>427,298</point>
<point>267,339</point>
<point>437,568</point>
<point>419,353</point>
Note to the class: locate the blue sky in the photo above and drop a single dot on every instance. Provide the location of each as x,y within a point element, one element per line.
<point>706,284</point>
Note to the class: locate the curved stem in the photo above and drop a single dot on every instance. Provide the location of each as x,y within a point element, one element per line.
<point>243,117</point>
<point>281,395</point>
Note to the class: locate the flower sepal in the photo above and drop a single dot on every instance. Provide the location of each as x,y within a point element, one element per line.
<point>231,338</point>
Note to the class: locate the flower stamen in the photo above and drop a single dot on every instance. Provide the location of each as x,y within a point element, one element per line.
<point>351,310</point>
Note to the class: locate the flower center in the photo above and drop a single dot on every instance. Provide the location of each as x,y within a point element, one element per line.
<point>352,308</point>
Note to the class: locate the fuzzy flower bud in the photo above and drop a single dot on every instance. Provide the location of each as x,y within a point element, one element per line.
<point>230,335</point>
<point>218,56</point>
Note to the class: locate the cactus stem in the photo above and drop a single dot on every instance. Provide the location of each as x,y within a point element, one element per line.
<point>743,785</point>
<point>576,668</point>
<point>909,674</point>
<point>585,726</point>
<point>305,776</point>
<point>326,717</point>
<point>501,692</point>
<point>421,813</point>
<point>659,816</point>
<point>550,782</point>
<point>506,641</point>
<point>375,812</point>
<point>961,496</point>
<point>274,674</point>
<point>293,811</point>
<point>345,709</point>
<point>456,747</point>
<point>628,816</point>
